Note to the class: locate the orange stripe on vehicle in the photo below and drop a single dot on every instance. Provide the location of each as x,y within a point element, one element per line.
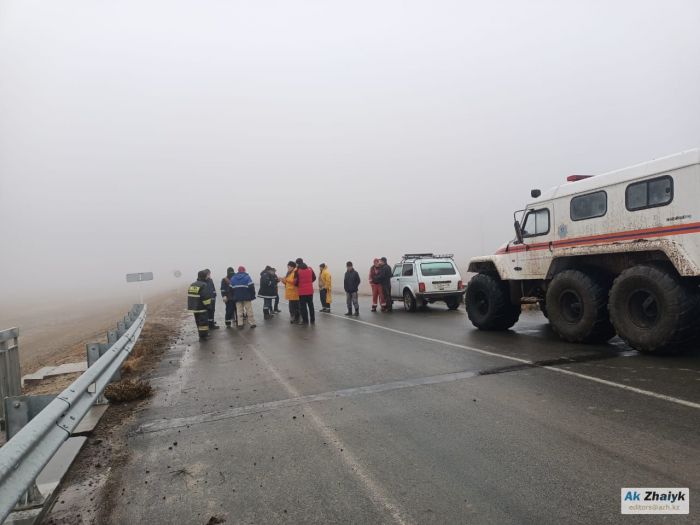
<point>608,238</point>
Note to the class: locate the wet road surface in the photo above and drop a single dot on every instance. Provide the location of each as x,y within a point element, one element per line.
<point>408,418</point>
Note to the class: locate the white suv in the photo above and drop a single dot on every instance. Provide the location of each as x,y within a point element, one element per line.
<point>422,278</point>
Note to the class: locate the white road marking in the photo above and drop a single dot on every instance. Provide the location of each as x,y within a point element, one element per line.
<point>649,393</point>
<point>375,492</point>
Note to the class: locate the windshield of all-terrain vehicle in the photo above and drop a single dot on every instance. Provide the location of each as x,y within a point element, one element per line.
<point>437,268</point>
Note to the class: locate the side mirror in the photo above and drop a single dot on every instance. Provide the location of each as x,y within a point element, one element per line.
<point>518,232</point>
<point>535,193</point>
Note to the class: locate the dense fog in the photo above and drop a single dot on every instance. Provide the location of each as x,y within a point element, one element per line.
<point>173,135</point>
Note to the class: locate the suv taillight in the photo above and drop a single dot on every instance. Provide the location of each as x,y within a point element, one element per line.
<point>460,285</point>
<point>421,287</point>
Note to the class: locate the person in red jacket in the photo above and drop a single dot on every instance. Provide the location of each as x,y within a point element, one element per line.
<point>377,291</point>
<point>305,284</point>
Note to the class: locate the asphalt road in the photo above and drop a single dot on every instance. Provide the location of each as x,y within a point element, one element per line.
<point>409,418</point>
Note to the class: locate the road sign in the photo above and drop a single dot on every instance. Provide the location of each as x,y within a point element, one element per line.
<point>138,277</point>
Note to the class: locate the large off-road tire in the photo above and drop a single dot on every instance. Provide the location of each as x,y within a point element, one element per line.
<point>488,303</point>
<point>652,309</point>
<point>409,302</point>
<point>453,302</point>
<point>577,307</point>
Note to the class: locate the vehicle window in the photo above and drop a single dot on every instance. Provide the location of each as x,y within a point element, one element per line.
<point>636,196</point>
<point>660,191</point>
<point>437,268</point>
<point>407,270</point>
<point>397,270</point>
<point>649,193</point>
<point>536,223</point>
<point>589,206</point>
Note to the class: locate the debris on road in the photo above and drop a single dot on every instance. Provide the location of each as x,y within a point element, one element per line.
<point>128,390</point>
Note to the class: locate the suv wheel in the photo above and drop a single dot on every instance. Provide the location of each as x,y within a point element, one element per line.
<point>452,302</point>
<point>488,303</point>
<point>652,309</point>
<point>409,302</point>
<point>577,307</point>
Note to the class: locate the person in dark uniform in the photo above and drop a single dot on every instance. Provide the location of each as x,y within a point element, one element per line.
<point>227,296</point>
<point>384,278</point>
<point>268,290</point>
<point>211,289</point>
<point>198,302</point>
<point>277,293</point>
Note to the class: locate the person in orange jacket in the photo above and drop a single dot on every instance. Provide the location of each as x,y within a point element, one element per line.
<point>291,292</point>
<point>377,291</point>
<point>324,288</point>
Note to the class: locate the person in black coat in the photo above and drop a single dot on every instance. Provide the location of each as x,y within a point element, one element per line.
<point>199,303</point>
<point>268,290</point>
<point>211,290</point>
<point>227,296</point>
<point>383,278</point>
<point>351,283</point>
<point>277,293</point>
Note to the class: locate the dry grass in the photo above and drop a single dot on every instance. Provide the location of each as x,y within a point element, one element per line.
<point>50,385</point>
<point>153,341</point>
<point>127,390</point>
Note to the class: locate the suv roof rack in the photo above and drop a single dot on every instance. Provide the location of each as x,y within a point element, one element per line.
<point>427,256</point>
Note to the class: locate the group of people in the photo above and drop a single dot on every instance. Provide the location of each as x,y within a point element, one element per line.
<point>238,292</point>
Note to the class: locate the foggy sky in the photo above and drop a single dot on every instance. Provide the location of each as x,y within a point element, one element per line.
<point>164,135</point>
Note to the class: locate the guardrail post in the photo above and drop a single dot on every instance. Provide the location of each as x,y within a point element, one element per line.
<point>94,352</point>
<point>111,337</point>
<point>19,411</point>
<point>121,329</point>
<point>10,377</point>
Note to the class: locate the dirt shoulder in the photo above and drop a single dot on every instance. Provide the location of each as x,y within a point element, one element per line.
<point>58,335</point>
<point>89,485</point>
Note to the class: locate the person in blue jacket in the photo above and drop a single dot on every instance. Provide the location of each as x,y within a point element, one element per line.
<point>244,295</point>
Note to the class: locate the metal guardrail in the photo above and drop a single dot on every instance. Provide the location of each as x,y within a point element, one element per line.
<point>10,381</point>
<point>25,455</point>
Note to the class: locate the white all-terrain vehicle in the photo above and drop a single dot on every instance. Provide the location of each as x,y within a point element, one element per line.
<point>422,278</point>
<point>617,253</point>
